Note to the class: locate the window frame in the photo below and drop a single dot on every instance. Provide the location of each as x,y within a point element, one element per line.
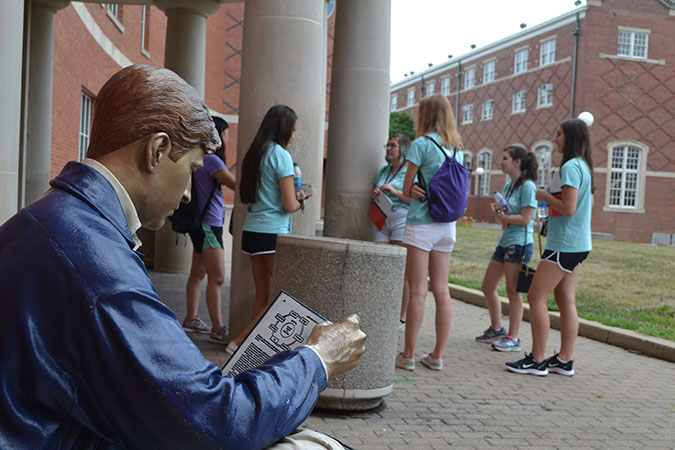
<point>483,113</point>
<point>84,130</point>
<point>484,180</point>
<point>445,85</point>
<point>491,78</point>
<point>467,114</point>
<point>631,49</point>
<point>523,62</point>
<point>549,54</point>
<point>393,104</point>
<point>523,103</point>
<point>545,167</point>
<point>640,181</point>
<point>545,96</point>
<point>470,80</point>
<point>430,88</point>
<point>410,99</point>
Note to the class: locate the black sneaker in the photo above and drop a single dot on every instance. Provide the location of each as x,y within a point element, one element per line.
<point>554,365</point>
<point>528,365</point>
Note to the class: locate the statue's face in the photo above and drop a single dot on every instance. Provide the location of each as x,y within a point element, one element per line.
<point>170,185</point>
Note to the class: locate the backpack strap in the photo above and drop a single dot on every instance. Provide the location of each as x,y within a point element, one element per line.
<point>208,202</point>
<point>454,149</point>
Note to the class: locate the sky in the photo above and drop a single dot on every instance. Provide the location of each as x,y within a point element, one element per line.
<point>427,31</point>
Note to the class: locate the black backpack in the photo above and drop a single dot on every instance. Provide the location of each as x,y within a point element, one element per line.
<point>187,218</point>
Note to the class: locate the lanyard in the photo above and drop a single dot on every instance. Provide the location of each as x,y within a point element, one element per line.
<point>394,175</point>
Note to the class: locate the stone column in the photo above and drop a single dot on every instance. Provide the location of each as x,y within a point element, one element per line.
<point>359,114</point>
<point>11,24</point>
<point>283,62</point>
<point>185,54</point>
<point>40,82</point>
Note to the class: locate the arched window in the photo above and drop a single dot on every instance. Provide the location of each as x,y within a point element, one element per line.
<point>485,161</point>
<point>468,162</point>
<point>543,154</point>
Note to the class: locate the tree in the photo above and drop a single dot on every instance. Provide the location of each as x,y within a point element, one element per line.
<point>400,122</point>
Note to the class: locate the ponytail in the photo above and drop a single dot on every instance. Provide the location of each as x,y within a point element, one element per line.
<point>529,166</point>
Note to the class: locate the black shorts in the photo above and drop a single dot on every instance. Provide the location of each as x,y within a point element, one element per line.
<point>565,260</point>
<point>253,243</point>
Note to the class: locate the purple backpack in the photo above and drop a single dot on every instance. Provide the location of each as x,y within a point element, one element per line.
<point>448,190</point>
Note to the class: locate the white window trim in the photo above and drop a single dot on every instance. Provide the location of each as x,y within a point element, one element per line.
<point>515,53</point>
<point>470,154</point>
<point>494,70</point>
<point>84,133</point>
<point>430,88</point>
<point>393,102</point>
<point>445,80</point>
<point>408,103</point>
<point>642,177</point>
<point>473,85</point>
<point>544,105</point>
<point>633,30</point>
<point>487,174</point>
<point>548,144</point>
<point>464,115</point>
<point>520,111</point>
<point>541,47</point>
<point>113,17</point>
<point>482,111</point>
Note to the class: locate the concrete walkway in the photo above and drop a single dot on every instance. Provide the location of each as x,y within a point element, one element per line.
<point>617,399</point>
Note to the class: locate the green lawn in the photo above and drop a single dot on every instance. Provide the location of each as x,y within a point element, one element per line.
<point>622,284</point>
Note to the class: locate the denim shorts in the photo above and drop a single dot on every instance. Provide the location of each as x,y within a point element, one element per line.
<point>513,253</point>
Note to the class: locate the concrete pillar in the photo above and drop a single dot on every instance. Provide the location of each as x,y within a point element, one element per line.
<point>185,54</point>
<point>11,24</point>
<point>359,114</point>
<point>40,82</point>
<point>283,62</point>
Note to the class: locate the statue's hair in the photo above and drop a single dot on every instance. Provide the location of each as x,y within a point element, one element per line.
<point>140,100</point>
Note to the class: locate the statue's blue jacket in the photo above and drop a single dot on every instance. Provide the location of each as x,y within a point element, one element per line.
<point>90,358</point>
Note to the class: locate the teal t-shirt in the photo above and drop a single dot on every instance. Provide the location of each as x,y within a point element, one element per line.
<point>428,158</point>
<point>572,234</point>
<point>267,214</point>
<point>521,197</point>
<point>385,175</point>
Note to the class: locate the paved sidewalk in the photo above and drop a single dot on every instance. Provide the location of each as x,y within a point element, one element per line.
<point>617,399</point>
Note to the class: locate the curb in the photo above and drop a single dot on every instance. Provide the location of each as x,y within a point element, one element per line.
<point>627,339</point>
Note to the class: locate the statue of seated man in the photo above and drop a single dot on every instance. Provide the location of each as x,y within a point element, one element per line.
<point>90,356</point>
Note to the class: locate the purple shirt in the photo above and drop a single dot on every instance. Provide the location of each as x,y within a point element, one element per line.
<point>203,182</point>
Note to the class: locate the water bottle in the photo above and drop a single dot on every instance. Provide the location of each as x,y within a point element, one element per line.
<point>297,177</point>
<point>501,201</point>
<point>542,208</point>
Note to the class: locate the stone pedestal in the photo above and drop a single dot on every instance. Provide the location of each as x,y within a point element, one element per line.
<point>338,277</point>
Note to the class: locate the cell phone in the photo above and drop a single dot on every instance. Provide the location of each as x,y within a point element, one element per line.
<point>307,190</point>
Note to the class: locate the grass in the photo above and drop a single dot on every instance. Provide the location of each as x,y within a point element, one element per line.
<point>622,284</point>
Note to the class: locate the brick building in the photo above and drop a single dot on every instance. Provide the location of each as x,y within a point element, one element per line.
<point>614,58</point>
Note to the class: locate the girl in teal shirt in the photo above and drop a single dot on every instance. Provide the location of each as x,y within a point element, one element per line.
<point>568,244</point>
<point>514,248</point>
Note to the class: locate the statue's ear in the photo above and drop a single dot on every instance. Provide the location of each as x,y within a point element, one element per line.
<point>157,148</point>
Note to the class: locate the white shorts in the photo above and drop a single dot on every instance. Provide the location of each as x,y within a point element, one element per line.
<point>437,236</point>
<point>394,226</point>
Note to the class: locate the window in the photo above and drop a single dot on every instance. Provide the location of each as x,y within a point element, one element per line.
<point>545,95</point>
<point>624,176</point>
<point>411,97</point>
<point>467,160</point>
<point>85,116</point>
<point>113,9</point>
<point>543,153</point>
<point>485,162</point>
<point>486,113</point>
<point>431,88</point>
<point>547,53</point>
<point>145,27</point>
<point>445,86</point>
<point>518,102</point>
<point>394,102</point>
<point>470,78</point>
<point>488,72</point>
<point>633,44</point>
<point>467,114</point>
<point>520,62</point>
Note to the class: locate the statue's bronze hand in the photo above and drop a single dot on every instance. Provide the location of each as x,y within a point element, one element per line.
<point>340,345</point>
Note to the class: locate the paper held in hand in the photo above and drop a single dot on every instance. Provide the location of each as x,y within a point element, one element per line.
<point>379,210</point>
<point>285,325</point>
<point>555,189</point>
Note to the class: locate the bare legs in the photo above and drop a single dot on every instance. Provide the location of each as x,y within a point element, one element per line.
<point>262,267</point>
<point>437,264</point>
<point>493,274</point>
<point>549,278</point>
<point>210,263</point>
<point>405,300</point>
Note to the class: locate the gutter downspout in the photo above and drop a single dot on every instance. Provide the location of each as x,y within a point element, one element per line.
<point>576,33</point>
<point>459,78</point>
